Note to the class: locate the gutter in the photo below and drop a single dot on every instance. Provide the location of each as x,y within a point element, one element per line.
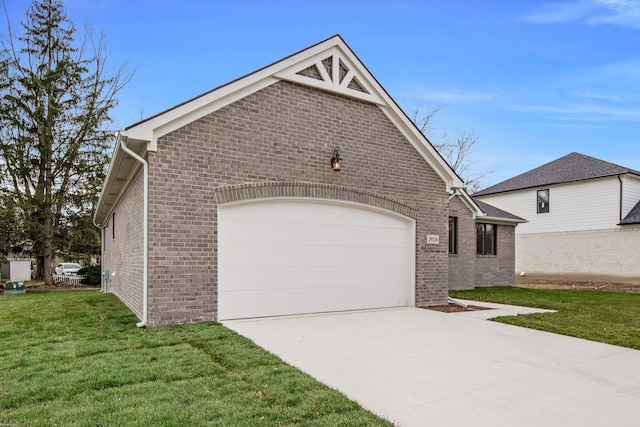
<point>500,220</point>
<point>103,287</point>
<point>145,224</point>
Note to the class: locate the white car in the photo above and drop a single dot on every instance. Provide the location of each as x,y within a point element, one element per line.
<point>67,268</point>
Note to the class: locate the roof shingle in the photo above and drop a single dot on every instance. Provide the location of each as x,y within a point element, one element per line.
<point>494,212</point>
<point>633,217</point>
<point>572,167</point>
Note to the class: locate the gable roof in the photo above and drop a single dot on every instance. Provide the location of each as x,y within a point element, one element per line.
<point>570,168</point>
<point>633,217</point>
<point>493,213</point>
<point>330,65</point>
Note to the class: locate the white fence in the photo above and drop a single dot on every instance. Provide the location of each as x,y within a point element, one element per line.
<point>70,279</point>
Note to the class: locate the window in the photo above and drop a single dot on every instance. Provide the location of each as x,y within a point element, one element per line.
<point>543,201</point>
<point>113,225</point>
<point>453,235</point>
<point>486,239</point>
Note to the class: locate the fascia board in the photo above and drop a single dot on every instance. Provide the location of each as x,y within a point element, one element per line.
<point>471,204</point>
<point>497,220</point>
<point>151,130</point>
<point>402,122</point>
<point>116,159</point>
<point>180,116</point>
<point>116,166</point>
<point>426,150</point>
<point>177,117</point>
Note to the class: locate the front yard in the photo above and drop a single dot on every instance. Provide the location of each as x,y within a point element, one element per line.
<point>76,358</point>
<point>609,317</point>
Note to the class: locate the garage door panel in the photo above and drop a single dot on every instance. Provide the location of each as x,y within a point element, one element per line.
<point>307,212</point>
<point>282,257</point>
<point>312,256</point>
<point>246,231</point>
<point>292,277</point>
<point>298,301</point>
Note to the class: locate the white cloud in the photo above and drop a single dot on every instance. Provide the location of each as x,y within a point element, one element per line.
<point>564,11</point>
<point>595,95</point>
<point>585,111</point>
<point>433,96</point>
<point>623,13</point>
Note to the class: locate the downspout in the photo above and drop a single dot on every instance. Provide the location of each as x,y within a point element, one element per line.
<point>103,288</point>
<point>145,228</point>
<point>620,215</point>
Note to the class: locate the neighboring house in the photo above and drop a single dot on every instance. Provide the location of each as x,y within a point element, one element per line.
<point>299,188</point>
<point>583,219</point>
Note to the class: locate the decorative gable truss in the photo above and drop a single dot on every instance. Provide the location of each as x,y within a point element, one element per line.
<point>332,71</point>
<point>329,65</point>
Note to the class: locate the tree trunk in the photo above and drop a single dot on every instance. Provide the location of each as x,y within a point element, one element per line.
<point>39,267</point>
<point>47,253</point>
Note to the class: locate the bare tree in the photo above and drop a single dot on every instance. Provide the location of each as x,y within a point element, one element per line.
<point>458,151</point>
<point>55,101</point>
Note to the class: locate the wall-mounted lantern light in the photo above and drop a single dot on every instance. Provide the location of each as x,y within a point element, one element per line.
<point>336,160</point>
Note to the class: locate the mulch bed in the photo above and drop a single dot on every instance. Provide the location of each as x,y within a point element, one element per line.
<point>454,308</point>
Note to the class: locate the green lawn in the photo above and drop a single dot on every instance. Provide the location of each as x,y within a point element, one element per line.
<point>610,317</point>
<point>76,358</point>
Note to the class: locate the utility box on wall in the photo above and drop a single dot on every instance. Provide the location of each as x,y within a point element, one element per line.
<point>13,288</point>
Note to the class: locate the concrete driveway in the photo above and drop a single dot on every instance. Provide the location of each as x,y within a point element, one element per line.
<point>419,367</point>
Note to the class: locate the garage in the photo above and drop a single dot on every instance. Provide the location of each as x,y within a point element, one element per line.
<point>295,256</point>
<point>299,188</point>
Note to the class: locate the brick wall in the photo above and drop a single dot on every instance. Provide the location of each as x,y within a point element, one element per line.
<point>283,133</point>
<point>498,270</point>
<point>462,264</point>
<point>601,255</point>
<point>123,255</point>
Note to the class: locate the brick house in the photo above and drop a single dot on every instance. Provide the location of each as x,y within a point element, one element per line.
<point>583,219</point>
<point>299,188</point>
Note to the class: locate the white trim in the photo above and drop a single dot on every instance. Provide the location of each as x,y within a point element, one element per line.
<point>410,221</point>
<point>158,126</point>
<point>287,69</point>
<point>332,82</point>
<point>225,287</point>
<point>365,206</point>
<point>149,131</point>
<point>469,203</point>
<point>497,220</point>
<point>145,231</point>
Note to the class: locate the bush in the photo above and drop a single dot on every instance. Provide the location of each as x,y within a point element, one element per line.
<point>92,275</point>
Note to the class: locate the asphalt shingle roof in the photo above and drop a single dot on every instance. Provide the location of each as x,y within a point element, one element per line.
<point>494,212</point>
<point>572,167</point>
<point>633,217</point>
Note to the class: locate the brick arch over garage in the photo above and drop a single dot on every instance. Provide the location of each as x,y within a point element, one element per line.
<point>313,190</point>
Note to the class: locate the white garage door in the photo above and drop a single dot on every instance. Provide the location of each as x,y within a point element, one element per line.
<point>281,257</point>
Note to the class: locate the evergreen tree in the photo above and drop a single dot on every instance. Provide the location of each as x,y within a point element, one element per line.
<point>55,100</point>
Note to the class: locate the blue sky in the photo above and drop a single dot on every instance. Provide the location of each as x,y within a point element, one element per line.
<point>533,80</point>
